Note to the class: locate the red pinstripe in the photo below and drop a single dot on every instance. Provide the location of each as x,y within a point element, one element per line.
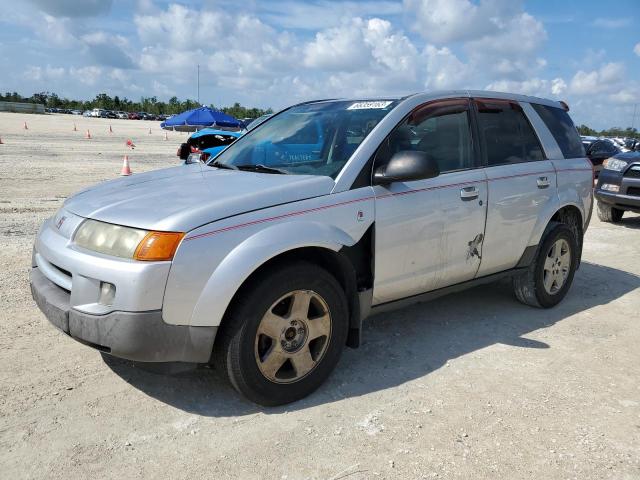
<point>364,199</point>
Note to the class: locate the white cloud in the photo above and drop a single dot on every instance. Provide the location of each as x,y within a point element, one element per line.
<point>444,69</point>
<point>442,21</point>
<point>558,86</point>
<point>605,79</point>
<point>626,95</point>
<point>636,49</point>
<point>56,31</point>
<point>48,73</point>
<point>87,75</point>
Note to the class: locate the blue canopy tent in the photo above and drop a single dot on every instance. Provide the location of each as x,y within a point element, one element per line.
<point>198,118</point>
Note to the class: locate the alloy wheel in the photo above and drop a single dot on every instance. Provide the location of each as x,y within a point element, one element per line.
<point>293,336</point>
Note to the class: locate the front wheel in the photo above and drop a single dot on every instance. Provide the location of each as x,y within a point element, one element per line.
<point>548,279</point>
<point>607,213</point>
<point>284,334</point>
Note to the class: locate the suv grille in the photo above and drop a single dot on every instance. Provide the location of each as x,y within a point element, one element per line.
<point>632,173</point>
<point>635,191</point>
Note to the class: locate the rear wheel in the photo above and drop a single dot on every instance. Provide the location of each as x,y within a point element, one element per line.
<point>548,279</point>
<point>607,213</point>
<point>284,334</point>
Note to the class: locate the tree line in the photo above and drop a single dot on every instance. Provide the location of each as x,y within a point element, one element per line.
<point>145,104</point>
<point>628,132</point>
<point>174,105</point>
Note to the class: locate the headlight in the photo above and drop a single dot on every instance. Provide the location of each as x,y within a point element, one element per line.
<point>614,164</point>
<point>127,242</point>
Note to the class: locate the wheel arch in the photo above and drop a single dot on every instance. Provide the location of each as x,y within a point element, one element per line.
<point>569,214</point>
<point>327,246</point>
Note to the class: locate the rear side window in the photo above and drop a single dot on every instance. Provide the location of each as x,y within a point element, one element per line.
<point>507,135</point>
<point>562,129</point>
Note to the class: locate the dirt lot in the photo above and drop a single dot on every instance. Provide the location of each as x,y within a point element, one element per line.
<point>474,385</point>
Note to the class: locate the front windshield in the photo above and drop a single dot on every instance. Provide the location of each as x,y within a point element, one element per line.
<point>311,139</point>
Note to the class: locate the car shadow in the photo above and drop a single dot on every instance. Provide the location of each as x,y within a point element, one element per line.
<point>630,221</point>
<point>398,347</point>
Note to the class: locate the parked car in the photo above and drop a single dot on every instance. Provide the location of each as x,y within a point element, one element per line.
<point>133,116</point>
<point>205,143</point>
<point>266,259</point>
<point>97,112</point>
<point>87,113</point>
<point>598,150</point>
<point>618,188</point>
<point>76,112</point>
<point>122,115</point>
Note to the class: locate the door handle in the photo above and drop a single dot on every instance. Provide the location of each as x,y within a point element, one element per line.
<point>469,193</point>
<point>543,182</point>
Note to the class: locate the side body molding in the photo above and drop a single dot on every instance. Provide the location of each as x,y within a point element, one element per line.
<point>253,252</point>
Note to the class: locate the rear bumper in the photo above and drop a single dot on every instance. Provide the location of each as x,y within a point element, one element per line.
<point>140,336</point>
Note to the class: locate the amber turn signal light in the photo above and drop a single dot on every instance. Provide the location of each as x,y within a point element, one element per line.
<point>158,246</point>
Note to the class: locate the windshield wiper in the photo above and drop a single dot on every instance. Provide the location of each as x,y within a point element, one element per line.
<point>260,168</point>
<point>222,165</point>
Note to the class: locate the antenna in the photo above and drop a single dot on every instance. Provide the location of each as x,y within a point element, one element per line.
<point>198,84</point>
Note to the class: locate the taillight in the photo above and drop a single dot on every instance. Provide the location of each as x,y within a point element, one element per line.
<point>204,157</point>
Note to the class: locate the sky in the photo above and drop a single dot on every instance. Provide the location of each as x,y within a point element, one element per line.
<point>278,52</point>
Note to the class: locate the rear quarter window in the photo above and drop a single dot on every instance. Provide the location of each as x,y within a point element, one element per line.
<point>561,127</point>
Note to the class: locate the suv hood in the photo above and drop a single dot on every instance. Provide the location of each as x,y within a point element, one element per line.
<point>185,197</point>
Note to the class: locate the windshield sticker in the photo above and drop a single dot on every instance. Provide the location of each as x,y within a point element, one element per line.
<point>369,105</point>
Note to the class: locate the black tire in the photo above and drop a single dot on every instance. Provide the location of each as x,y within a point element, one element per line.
<point>607,213</point>
<point>238,337</point>
<point>529,286</point>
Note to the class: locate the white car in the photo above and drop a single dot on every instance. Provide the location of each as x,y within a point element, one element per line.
<point>266,260</point>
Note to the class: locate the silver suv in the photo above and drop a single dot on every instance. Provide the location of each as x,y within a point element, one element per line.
<point>266,260</point>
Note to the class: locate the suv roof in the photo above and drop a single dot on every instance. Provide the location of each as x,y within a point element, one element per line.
<point>453,93</point>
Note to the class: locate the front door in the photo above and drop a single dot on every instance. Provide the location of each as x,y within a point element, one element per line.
<point>429,233</point>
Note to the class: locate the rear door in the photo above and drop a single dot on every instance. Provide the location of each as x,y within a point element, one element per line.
<point>429,232</point>
<point>521,181</point>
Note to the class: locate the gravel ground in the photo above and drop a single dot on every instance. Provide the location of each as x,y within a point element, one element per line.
<point>473,385</point>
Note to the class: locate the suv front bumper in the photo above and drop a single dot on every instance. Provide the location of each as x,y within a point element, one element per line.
<point>140,336</point>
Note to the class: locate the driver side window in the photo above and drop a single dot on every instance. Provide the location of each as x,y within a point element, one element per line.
<point>440,129</point>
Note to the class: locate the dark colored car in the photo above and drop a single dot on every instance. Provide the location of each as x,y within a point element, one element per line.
<point>598,151</point>
<point>206,143</point>
<point>618,188</point>
<point>133,116</point>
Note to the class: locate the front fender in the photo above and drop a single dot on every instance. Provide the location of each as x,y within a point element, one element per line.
<point>253,252</point>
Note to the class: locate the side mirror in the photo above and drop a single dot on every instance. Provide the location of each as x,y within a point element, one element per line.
<point>405,166</point>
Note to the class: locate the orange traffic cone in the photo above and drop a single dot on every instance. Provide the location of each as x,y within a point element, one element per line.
<point>74,127</point>
<point>165,136</point>
<point>126,169</point>
<point>25,126</point>
<point>149,130</point>
<point>88,135</point>
<point>110,129</point>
